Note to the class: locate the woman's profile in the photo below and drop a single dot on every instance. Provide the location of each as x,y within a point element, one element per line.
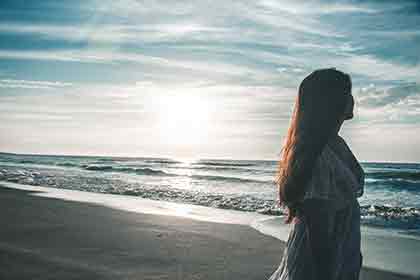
<point>319,180</point>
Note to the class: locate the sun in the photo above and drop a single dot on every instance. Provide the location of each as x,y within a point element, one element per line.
<point>183,119</point>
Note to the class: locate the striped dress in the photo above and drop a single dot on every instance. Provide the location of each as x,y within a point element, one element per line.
<point>339,178</point>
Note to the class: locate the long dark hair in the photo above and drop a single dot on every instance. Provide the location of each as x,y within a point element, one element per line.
<point>318,110</point>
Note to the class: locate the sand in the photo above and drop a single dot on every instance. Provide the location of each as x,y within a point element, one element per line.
<point>47,238</point>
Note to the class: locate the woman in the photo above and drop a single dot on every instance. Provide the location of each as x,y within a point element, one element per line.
<point>319,180</point>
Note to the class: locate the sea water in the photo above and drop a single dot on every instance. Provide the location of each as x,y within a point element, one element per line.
<point>391,199</point>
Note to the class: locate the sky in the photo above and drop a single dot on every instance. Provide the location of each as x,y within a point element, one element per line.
<point>202,79</point>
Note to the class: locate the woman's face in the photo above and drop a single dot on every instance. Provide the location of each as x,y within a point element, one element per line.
<point>348,111</point>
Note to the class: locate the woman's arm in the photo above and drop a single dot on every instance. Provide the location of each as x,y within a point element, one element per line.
<point>319,217</point>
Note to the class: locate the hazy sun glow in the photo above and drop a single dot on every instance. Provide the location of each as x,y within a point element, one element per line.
<point>183,118</point>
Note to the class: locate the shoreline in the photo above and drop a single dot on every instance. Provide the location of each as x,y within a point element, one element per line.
<point>267,255</point>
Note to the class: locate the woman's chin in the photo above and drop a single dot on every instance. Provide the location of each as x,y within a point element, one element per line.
<point>348,117</point>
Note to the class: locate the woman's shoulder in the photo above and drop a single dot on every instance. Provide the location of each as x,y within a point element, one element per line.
<point>344,154</point>
<point>329,180</point>
<point>340,147</point>
<point>338,144</point>
<point>322,182</point>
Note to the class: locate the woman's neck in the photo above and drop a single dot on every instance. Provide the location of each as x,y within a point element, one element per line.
<point>333,138</point>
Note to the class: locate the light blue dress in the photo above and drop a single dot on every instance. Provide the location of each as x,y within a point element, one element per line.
<point>335,174</point>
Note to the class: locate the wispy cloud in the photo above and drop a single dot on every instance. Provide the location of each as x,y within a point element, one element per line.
<point>318,7</point>
<point>113,33</point>
<point>25,84</point>
<point>380,69</point>
<point>244,37</point>
<point>372,96</point>
<point>148,60</point>
<point>397,104</point>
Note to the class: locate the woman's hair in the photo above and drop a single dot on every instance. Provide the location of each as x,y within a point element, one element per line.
<point>318,110</point>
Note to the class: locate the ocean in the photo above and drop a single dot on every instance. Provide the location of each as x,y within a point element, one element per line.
<point>391,198</point>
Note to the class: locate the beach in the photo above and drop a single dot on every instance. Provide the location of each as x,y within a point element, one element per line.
<point>43,237</point>
<point>150,140</point>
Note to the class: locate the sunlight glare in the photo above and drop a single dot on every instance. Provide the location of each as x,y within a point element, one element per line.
<point>183,118</point>
<point>182,210</point>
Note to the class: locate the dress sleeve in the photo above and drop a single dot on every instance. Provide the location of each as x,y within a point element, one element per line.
<point>353,164</point>
<point>328,182</point>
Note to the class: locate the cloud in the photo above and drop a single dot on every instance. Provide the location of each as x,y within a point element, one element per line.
<point>150,21</point>
<point>113,33</point>
<point>196,68</point>
<point>27,84</point>
<point>242,39</point>
<point>377,68</point>
<point>373,97</point>
<point>392,34</point>
<point>398,104</point>
<point>318,7</point>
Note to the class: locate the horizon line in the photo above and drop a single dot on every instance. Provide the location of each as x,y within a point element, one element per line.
<point>180,159</point>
